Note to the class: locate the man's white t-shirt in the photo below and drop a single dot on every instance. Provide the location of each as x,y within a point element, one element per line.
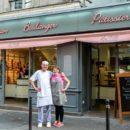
<point>43,81</point>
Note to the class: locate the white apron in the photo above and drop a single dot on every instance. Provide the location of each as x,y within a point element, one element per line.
<point>43,81</point>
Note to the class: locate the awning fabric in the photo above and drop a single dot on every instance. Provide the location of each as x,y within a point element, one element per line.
<point>35,42</point>
<point>105,37</point>
<point>102,37</point>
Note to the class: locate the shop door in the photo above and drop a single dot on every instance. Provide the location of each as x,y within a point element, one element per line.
<point>95,75</point>
<point>2,76</point>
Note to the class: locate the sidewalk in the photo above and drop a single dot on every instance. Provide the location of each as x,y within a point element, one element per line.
<point>17,120</point>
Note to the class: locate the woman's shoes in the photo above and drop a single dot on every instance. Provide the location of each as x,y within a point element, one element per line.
<point>58,124</point>
<point>55,123</point>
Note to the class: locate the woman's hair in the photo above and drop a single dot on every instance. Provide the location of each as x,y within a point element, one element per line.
<point>56,67</point>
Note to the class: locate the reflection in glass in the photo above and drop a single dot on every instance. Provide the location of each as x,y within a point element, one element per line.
<point>45,53</point>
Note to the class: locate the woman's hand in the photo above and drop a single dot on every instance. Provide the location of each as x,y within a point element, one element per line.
<point>63,90</point>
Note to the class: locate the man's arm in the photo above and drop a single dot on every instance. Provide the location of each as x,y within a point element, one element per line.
<point>34,86</point>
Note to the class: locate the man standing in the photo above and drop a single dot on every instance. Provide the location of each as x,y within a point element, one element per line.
<point>43,89</point>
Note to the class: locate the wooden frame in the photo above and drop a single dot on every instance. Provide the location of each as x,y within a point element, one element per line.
<point>121,113</point>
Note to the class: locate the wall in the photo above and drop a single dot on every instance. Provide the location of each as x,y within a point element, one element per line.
<point>4,5</point>
<point>36,3</point>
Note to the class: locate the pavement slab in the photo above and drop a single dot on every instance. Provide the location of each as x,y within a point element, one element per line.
<point>18,120</point>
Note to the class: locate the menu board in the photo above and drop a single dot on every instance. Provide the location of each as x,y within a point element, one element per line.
<point>125,93</point>
<point>123,89</point>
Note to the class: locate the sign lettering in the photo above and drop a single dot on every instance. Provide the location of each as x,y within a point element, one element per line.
<point>39,26</point>
<point>101,19</point>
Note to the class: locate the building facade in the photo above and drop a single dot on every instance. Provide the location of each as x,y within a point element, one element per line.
<point>89,42</point>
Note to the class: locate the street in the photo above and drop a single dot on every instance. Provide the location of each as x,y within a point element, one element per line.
<point>18,120</point>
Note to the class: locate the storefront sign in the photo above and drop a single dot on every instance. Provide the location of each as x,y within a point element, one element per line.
<point>2,31</point>
<point>101,19</point>
<point>39,26</point>
<point>84,20</point>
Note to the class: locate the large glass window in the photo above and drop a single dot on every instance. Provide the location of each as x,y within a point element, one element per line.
<point>45,53</point>
<point>124,57</point>
<point>16,61</point>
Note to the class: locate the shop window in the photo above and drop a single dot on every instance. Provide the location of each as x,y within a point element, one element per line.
<point>16,4</point>
<point>15,60</point>
<point>124,58</point>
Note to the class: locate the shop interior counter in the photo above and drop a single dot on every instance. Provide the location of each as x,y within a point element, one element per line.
<point>18,90</point>
<point>10,90</point>
<point>22,88</point>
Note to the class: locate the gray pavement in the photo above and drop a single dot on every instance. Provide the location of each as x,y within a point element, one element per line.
<point>17,120</point>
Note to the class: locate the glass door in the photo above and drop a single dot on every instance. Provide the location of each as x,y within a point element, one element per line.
<point>95,75</point>
<point>2,76</point>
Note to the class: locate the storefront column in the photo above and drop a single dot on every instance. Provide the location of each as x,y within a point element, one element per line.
<point>32,92</point>
<point>2,71</point>
<point>68,61</point>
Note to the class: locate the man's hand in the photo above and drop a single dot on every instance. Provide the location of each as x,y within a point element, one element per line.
<point>38,90</point>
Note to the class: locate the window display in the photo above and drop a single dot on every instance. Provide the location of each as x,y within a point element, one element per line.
<point>16,62</point>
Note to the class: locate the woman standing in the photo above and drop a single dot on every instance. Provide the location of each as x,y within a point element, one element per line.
<point>59,83</point>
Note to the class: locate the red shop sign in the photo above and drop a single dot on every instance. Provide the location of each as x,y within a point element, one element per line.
<point>101,19</point>
<point>39,26</point>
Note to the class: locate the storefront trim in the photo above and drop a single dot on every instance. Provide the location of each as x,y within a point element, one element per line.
<point>102,37</point>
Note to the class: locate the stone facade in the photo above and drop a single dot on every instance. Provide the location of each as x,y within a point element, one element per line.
<point>9,5</point>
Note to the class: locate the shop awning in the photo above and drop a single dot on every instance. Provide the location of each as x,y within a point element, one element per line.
<point>105,37</point>
<point>35,42</point>
<point>102,37</point>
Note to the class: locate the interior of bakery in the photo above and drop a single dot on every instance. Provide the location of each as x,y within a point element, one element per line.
<point>18,71</point>
<point>107,60</point>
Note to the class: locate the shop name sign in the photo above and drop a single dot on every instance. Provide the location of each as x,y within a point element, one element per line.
<point>39,26</point>
<point>3,31</point>
<point>101,19</point>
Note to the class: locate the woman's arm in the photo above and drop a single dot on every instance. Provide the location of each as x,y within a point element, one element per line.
<point>67,82</point>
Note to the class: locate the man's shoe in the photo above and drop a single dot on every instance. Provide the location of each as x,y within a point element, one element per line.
<point>48,125</point>
<point>39,125</point>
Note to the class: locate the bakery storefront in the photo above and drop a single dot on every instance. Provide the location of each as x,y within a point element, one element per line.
<point>89,45</point>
